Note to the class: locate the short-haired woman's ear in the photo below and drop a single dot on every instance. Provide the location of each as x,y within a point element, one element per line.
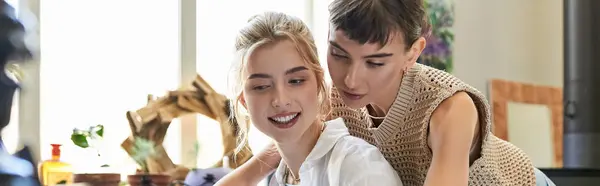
<point>417,48</point>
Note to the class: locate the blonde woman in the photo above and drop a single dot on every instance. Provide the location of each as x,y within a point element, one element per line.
<point>280,83</point>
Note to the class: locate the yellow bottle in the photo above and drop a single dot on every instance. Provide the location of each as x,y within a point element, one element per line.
<point>54,171</point>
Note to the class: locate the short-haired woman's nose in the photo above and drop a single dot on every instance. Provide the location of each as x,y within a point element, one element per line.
<point>351,77</point>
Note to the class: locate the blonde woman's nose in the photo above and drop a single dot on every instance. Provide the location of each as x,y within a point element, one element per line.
<point>281,98</point>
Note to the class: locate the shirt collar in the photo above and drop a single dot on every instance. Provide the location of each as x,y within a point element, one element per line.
<point>334,131</point>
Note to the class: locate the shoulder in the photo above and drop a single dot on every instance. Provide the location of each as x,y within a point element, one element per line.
<point>363,163</point>
<point>458,105</point>
<point>458,109</point>
<point>357,148</point>
<point>346,143</point>
<point>455,100</point>
<point>432,77</point>
<point>452,101</point>
<point>444,93</point>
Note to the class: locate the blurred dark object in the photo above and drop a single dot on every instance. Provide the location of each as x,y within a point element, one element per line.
<point>146,181</point>
<point>205,177</point>
<point>579,177</point>
<point>10,180</point>
<point>18,169</point>
<point>13,34</point>
<point>142,179</point>
<point>8,27</point>
<point>13,49</point>
<point>581,84</point>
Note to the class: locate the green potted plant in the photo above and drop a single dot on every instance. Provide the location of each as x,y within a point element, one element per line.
<point>142,150</point>
<point>90,139</point>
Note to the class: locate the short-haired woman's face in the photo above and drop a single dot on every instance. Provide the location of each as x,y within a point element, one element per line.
<point>363,73</point>
<point>280,92</point>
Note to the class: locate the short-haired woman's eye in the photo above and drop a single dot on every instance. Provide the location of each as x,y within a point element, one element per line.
<point>374,64</point>
<point>260,87</point>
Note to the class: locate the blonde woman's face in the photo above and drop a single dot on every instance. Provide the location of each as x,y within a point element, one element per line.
<point>280,91</point>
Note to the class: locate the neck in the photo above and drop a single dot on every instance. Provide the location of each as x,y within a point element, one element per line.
<point>294,153</point>
<point>380,107</point>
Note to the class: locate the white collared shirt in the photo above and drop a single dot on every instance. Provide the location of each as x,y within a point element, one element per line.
<point>339,159</point>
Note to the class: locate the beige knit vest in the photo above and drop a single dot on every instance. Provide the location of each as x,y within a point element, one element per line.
<point>402,136</point>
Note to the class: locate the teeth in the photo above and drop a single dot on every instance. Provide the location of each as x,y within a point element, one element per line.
<point>284,119</point>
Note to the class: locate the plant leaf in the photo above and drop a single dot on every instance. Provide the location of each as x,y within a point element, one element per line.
<point>100,130</point>
<point>105,165</point>
<point>80,140</point>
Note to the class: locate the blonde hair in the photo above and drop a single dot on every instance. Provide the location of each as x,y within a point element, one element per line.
<point>270,28</point>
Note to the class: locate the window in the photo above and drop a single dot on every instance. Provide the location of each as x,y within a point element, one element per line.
<point>99,60</point>
<point>321,31</point>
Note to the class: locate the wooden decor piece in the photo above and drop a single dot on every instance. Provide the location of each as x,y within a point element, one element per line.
<point>503,91</point>
<point>152,121</point>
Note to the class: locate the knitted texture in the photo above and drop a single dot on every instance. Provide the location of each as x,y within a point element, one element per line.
<point>402,136</point>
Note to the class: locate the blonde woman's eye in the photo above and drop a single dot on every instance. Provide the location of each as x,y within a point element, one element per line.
<point>297,81</point>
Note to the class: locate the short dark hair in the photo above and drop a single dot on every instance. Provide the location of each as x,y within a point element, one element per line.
<point>372,21</point>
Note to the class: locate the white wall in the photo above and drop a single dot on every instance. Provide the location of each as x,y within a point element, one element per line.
<point>509,39</point>
<point>518,40</point>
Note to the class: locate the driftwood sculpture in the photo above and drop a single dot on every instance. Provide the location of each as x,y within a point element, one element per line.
<point>152,121</point>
